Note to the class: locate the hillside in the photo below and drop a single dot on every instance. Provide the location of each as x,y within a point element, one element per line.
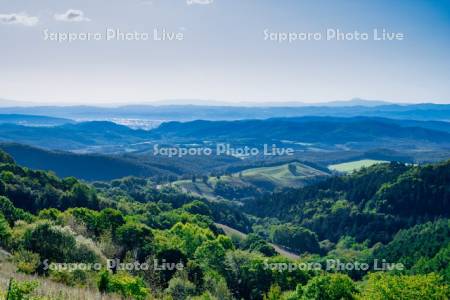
<point>94,167</point>
<point>85,166</point>
<point>306,130</point>
<point>355,165</point>
<point>370,204</point>
<point>310,136</point>
<point>253,181</point>
<point>357,217</point>
<point>87,136</point>
<point>293,174</point>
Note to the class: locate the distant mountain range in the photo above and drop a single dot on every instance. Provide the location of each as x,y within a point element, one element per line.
<point>32,120</point>
<point>77,136</point>
<point>210,102</point>
<point>354,133</point>
<point>197,102</point>
<point>439,112</point>
<point>324,130</point>
<point>101,150</point>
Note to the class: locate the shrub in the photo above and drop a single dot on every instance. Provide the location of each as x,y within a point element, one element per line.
<point>21,290</point>
<point>127,286</point>
<point>5,231</point>
<point>180,289</point>
<point>26,261</point>
<point>330,287</point>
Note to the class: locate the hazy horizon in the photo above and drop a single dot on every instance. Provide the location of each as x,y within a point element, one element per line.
<point>205,102</point>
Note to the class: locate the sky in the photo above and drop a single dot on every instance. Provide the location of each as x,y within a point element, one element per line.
<point>229,50</point>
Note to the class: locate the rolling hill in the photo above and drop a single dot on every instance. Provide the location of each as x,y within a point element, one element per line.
<point>86,136</point>
<point>94,167</point>
<point>84,166</point>
<point>310,137</point>
<point>253,181</point>
<point>33,120</point>
<point>351,166</point>
<point>302,130</point>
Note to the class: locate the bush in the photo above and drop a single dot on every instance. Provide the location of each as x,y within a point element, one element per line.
<point>211,255</point>
<point>136,236</point>
<point>197,208</point>
<point>11,213</point>
<point>123,284</point>
<point>5,231</point>
<point>79,278</point>
<point>21,290</point>
<point>58,244</point>
<point>274,293</point>
<point>180,289</point>
<point>26,261</point>
<point>5,158</point>
<point>295,238</point>
<point>330,287</point>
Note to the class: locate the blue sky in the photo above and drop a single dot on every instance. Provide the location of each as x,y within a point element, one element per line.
<point>224,55</point>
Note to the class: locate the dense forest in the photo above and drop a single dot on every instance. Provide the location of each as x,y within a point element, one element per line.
<point>132,238</point>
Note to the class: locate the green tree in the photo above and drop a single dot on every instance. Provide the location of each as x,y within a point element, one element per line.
<point>211,255</point>
<point>440,264</point>
<point>26,261</point>
<point>191,235</point>
<point>58,244</point>
<point>5,231</point>
<point>330,287</point>
<point>246,275</point>
<point>5,158</point>
<point>110,218</point>
<point>180,288</point>
<point>254,242</point>
<point>274,293</point>
<point>197,207</point>
<point>138,237</point>
<point>12,213</point>
<point>21,290</point>
<point>383,286</point>
<point>51,214</point>
<point>127,286</point>
<point>50,242</point>
<point>295,237</point>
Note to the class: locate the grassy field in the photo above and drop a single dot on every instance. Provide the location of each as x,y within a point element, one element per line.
<point>355,165</point>
<point>282,175</point>
<point>267,178</point>
<point>47,288</point>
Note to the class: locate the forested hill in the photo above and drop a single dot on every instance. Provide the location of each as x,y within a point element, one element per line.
<point>36,190</point>
<point>45,219</point>
<point>84,166</point>
<point>307,129</point>
<point>371,204</point>
<point>110,137</point>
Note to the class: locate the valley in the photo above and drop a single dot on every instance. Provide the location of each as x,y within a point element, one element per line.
<point>354,190</point>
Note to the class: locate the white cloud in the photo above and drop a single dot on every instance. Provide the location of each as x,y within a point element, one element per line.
<point>19,18</point>
<point>201,2</point>
<point>72,15</point>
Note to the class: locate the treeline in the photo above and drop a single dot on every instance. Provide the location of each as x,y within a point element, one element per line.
<point>371,204</point>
